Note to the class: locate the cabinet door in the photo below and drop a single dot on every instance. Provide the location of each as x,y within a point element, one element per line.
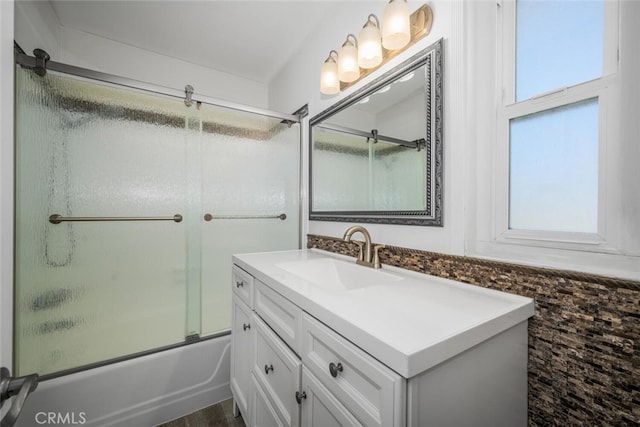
<point>277,369</point>
<point>320,408</point>
<point>263,414</point>
<point>241,350</point>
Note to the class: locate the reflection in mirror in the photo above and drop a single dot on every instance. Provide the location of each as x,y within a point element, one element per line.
<point>376,156</point>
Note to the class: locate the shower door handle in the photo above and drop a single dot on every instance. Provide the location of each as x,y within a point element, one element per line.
<point>57,218</point>
<point>208,217</point>
<point>18,388</point>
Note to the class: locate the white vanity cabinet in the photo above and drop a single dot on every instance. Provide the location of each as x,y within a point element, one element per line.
<point>343,386</point>
<point>395,349</point>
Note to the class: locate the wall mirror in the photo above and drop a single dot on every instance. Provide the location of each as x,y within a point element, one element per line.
<point>376,155</point>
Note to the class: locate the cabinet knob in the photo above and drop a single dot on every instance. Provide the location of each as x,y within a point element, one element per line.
<point>334,369</point>
<point>267,369</point>
<point>239,284</point>
<point>300,396</point>
<point>246,326</point>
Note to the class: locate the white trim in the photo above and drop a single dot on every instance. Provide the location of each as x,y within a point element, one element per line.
<point>604,239</point>
<point>6,182</point>
<point>619,256</point>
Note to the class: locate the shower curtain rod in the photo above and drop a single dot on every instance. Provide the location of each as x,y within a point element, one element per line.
<point>31,62</point>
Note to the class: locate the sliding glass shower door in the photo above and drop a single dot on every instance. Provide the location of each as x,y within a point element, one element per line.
<point>250,198</point>
<point>114,255</point>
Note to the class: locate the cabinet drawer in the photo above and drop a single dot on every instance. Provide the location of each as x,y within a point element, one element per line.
<point>242,283</point>
<point>277,369</point>
<point>263,414</point>
<point>373,393</point>
<point>281,315</point>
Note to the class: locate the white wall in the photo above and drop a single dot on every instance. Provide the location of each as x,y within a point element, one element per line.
<point>469,29</point>
<point>298,83</point>
<point>630,125</point>
<point>37,26</point>
<point>97,53</point>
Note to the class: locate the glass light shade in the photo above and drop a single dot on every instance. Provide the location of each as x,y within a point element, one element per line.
<point>369,47</point>
<point>348,69</point>
<point>329,83</point>
<point>396,28</point>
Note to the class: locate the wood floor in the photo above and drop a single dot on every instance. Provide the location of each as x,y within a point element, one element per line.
<point>219,415</point>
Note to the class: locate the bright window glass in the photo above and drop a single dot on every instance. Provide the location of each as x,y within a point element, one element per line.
<point>559,44</point>
<point>554,169</point>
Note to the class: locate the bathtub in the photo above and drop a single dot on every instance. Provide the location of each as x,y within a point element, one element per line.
<point>144,391</point>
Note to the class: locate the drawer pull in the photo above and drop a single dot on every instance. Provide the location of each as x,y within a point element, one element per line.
<point>335,369</point>
<point>267,369</point>
<point>239,284</point>
<point>300,396</point>
<point>246,326</point>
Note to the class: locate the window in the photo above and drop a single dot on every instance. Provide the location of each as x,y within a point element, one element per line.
<point>558,61</point>
<point>554,169</point>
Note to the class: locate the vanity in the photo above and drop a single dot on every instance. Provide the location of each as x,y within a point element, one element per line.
<point>318,340</point>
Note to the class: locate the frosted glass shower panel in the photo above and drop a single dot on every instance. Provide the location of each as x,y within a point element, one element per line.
<point>250,175</point>
<point>92,291</point>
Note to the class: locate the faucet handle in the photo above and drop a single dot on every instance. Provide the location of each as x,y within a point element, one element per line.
<point>360,250</point>
<point>376,256</point>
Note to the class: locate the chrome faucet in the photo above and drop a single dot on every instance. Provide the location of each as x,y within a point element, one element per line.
<point>367,255</point>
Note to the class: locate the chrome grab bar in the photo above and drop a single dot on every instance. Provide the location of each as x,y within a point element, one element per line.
<point>209,217</point>
<point>57,219</point>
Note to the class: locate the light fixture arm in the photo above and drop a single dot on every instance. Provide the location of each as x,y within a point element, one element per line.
<point>333,56</point>
<point>353,41</point>
<point>375,22</point>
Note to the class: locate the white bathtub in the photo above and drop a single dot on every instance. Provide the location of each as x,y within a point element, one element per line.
<point>144,391</point>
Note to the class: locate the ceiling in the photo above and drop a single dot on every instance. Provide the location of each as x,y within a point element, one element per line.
<point>250,39</point>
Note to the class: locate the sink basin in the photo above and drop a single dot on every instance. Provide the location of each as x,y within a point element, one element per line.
<point>337,274</point>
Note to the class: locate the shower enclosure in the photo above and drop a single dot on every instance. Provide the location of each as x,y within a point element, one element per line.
<point>129,204</point>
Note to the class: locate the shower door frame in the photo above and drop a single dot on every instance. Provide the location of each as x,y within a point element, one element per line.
<point>30,62</point>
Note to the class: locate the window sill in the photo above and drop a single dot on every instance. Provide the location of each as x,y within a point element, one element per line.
<point>611,263</point>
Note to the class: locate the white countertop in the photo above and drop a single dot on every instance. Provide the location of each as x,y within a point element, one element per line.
<point>410,323</point>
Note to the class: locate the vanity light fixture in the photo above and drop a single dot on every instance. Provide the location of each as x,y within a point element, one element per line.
<point>373,49</point>
<point>329,82</point>
<point>348,69</point>
<point>370,48</point>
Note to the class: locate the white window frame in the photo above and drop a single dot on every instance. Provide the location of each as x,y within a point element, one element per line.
<point>605,89</point>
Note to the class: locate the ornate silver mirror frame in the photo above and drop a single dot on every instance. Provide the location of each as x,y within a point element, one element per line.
<point>431,215</point>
